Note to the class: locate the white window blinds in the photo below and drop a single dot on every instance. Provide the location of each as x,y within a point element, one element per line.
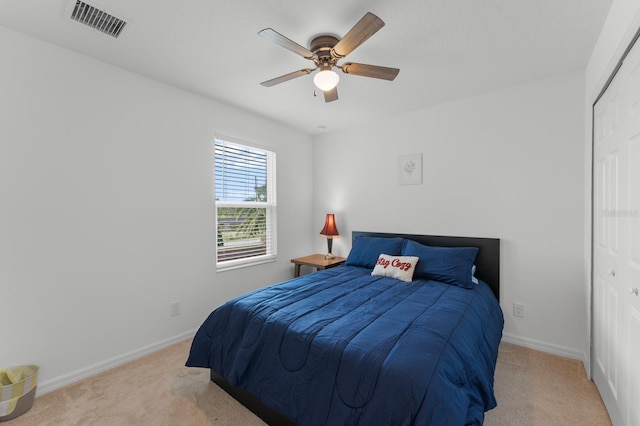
<point>245,193</point>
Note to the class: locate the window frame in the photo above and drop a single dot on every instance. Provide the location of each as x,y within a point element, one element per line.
<point>270,206</point>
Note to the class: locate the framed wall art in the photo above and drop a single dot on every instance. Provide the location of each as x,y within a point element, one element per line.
<point>410,169</point>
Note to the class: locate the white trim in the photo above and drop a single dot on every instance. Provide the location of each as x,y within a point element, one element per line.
<point>545,347</point>
<point>83,373</point>
<point>243,142</point>
<point>230,265</point>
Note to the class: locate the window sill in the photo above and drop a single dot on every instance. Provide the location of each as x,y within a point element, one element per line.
<point>243,263</point>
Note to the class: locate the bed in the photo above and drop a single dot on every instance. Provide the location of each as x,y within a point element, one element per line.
<point>361,344</point>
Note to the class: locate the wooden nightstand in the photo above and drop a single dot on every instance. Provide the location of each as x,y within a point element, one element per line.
<point>317,261</point>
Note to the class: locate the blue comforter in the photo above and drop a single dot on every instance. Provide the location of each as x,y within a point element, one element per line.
<point>343,347</point>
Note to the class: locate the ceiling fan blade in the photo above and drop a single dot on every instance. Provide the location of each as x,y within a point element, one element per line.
<point>374,71</point>
<point>276,37</point>
<point>331,95</point>
<point>286,77</point>
<point>361,31</point>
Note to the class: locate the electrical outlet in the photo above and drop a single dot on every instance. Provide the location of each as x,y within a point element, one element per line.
<point>175,309</point>
<point>518,310</point>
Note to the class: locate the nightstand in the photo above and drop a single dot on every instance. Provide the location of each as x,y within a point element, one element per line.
<point>317,261</point>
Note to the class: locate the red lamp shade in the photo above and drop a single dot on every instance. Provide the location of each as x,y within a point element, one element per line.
<point>330,229</point>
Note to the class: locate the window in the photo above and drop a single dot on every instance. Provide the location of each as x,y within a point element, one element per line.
<point>245,194</point>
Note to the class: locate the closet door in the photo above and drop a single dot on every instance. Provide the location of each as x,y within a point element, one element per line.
<point>633,237</point>
<point>616,244</point>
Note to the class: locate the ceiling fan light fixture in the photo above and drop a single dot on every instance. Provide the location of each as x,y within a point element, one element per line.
<point>325,50</point>
<point>326,80</point>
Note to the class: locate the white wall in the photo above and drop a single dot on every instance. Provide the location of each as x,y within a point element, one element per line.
<point>106,212</point>
<point>617,32</point>
<point>505,164</point>
<point>106,207</point>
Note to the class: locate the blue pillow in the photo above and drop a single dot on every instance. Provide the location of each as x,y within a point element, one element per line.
<point>365,250</point>
<point>451,265</point>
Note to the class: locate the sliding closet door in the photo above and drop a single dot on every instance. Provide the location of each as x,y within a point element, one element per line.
<point>616,244</point>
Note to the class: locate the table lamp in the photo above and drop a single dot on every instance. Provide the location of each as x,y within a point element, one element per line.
<point>330,231</point>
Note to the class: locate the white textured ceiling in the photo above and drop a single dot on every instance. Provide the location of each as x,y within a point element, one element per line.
<point>445,49</point>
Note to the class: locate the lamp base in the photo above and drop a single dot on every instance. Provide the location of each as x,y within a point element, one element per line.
<point>329,245</point>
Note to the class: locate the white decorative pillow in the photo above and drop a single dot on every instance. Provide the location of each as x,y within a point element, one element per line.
<point>399,267</point>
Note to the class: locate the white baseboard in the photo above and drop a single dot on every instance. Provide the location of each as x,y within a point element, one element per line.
<point>83,373</point>
<point>545,347</point>
<point>67,379</point>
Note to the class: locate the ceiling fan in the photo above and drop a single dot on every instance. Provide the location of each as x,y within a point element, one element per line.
<point>326,50</point>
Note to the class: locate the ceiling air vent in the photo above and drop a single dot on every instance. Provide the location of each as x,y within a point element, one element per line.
<point>97,19</point>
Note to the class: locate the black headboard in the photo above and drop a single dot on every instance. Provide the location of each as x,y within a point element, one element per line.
<point>487,262</point>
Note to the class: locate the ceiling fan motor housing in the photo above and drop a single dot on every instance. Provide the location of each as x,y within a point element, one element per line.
<point>322,46</point>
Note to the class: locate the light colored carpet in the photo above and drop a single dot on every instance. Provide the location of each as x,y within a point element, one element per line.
<point>532,388</point>
<point>535,388</point>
